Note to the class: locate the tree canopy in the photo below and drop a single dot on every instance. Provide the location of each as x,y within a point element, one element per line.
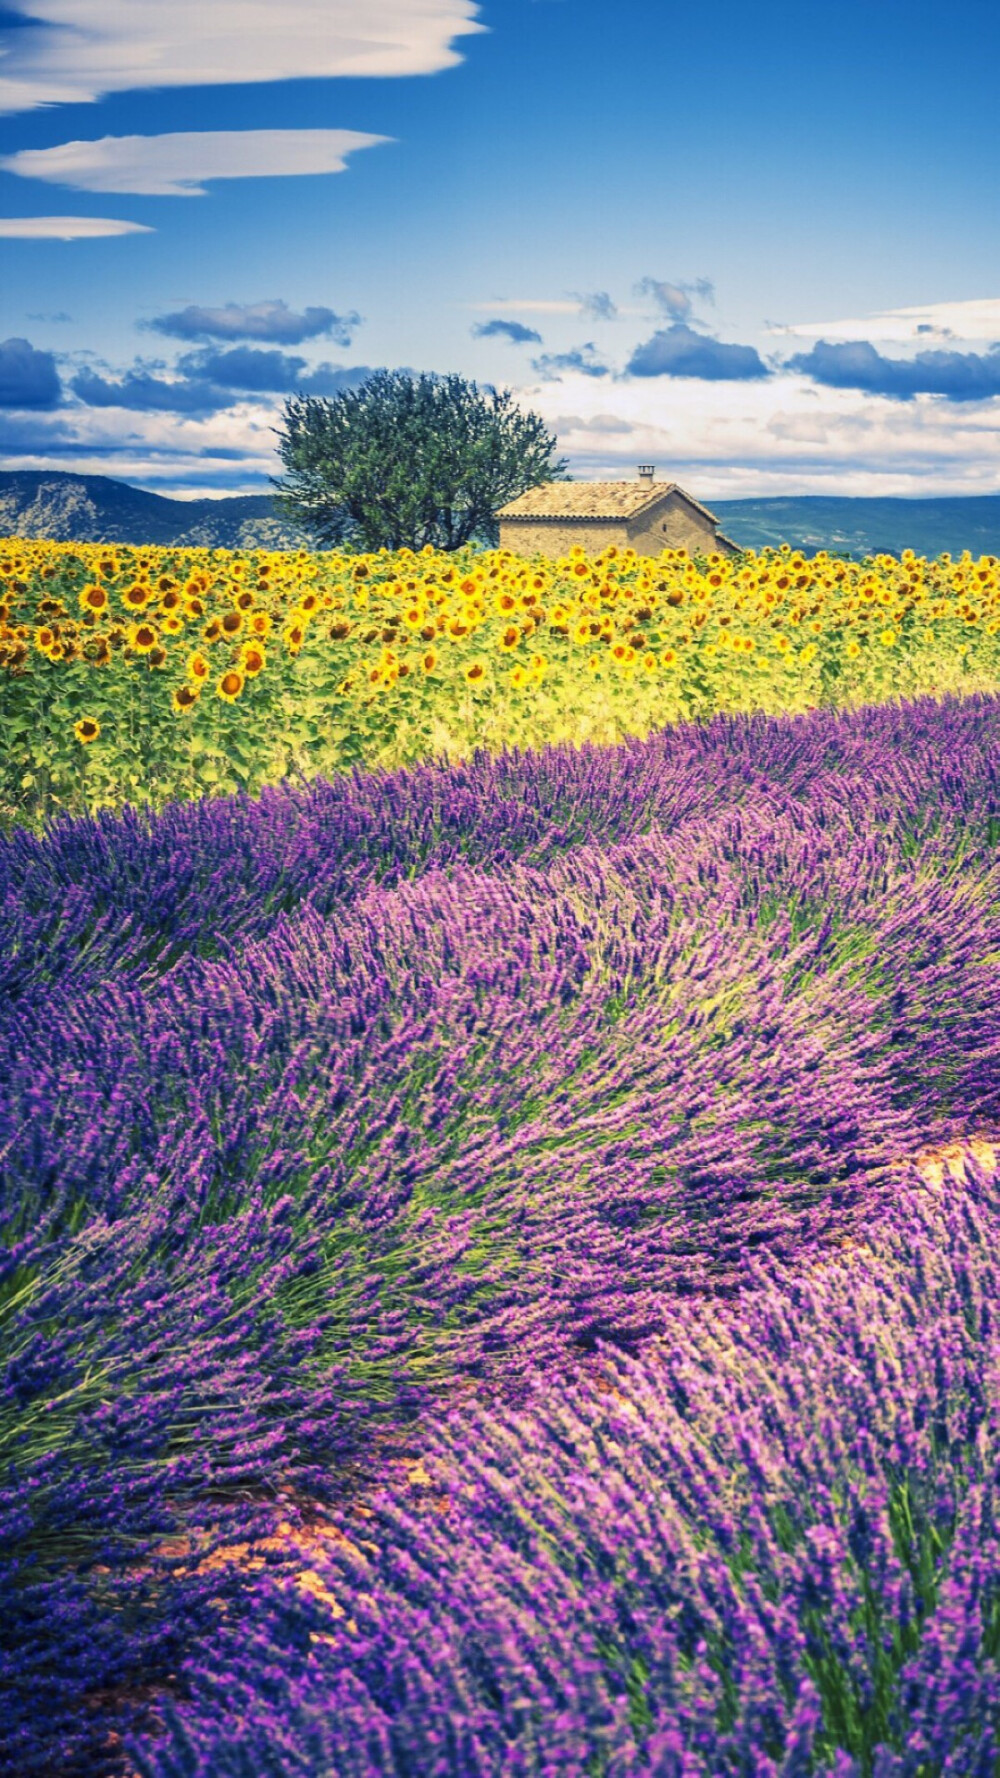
<point>403,461</point>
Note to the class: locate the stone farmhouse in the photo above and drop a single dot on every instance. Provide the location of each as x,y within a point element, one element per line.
<point>643,515</point>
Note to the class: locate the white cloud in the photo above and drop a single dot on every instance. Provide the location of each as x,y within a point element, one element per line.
<point>976,320</point>
<point>782,436</point>
<point>177,165</point>
<point>194,453</point>
<point>66,228</point>
<point>86,48</point>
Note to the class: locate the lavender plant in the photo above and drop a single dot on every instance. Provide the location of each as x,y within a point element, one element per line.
<point>321,1111</point>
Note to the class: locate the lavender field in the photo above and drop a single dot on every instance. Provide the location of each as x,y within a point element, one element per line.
<point>481,1292</point>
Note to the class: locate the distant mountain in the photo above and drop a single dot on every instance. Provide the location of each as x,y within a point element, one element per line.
<point>96,509</point>
<point>866,527</point>
<point>69,508</point>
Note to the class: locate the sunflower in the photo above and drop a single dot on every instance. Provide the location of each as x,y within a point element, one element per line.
<point>252,659</point>
<point>475,671</point>
<point>232,623</point>
<point>649,663</point>
<point>94,598</point>
<point>86,729</point>
<point>293,637</point>
<point>519,677</point>
<point>172,625</point>
<point>511,637</point>
<point>142,637</point>
<point>428,660</point>
<point>44,639</point>
<point>259,623</point>
<point>137,596</point>
<point>852,650</point>
<point>230,685</point>
<point>244,600</point>
<point>184,697</point>
<point>887,638</point>
<point>197,668</point>
<point>212,630</point>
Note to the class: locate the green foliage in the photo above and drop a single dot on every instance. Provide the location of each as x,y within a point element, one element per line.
<point>405,461</point>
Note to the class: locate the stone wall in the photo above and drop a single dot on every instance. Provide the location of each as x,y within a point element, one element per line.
<point>552,537</point>
<point>674,525</point>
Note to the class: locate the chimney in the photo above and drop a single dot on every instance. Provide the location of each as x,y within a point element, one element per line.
<point>646,473</point>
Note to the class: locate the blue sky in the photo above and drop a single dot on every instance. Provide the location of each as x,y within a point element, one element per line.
<point>756,246</point>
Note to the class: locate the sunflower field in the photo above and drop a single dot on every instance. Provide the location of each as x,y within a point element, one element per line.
<point>130,674</point>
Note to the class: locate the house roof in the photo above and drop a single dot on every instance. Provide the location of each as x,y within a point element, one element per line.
<point>594,500</point>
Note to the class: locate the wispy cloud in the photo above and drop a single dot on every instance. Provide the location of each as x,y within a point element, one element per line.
<point>582,359</point>
<point>78,50</point>
<point>531,305</point>
<point>975,320</point>
<point>180,164</point>
<point>674,299</point>
<point>270,320</point>
<point>28,378</point>
<point>598,306</point>
<point>66,228</point>
<point>515,331</point>
<point>855,364</point>
<point>680,352</point>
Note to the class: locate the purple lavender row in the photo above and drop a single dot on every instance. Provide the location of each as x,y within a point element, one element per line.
<point>767,1549</point>
<point>108,894</point>
<point>444,1120</point>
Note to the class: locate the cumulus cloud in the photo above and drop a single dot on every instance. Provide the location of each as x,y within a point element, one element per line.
<point>144,392</point>
<point>855,364</point>
<point>772,435</point>
<point>67,228</point>
<point>674,300</point>
<point>180,163</point>
<point>209,381</point>
<point>271,320</point>
<point>253,371</point>
<point>582,358</point>
<point>678,351</point>
<point>79,50</point>
<point>510,330</point>
<point>975,320</point>
<point>28,378</point>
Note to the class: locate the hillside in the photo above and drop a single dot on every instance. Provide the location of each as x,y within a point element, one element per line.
<point>858,527</point>
<point>64,507</point>
<point>68,508</point>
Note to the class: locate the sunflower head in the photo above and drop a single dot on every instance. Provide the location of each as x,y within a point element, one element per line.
<point>184,697</point>
<point>87,729</point>
<point>230,685</point>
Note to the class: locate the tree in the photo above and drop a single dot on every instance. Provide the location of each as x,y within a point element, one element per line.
<point>402,461</point>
